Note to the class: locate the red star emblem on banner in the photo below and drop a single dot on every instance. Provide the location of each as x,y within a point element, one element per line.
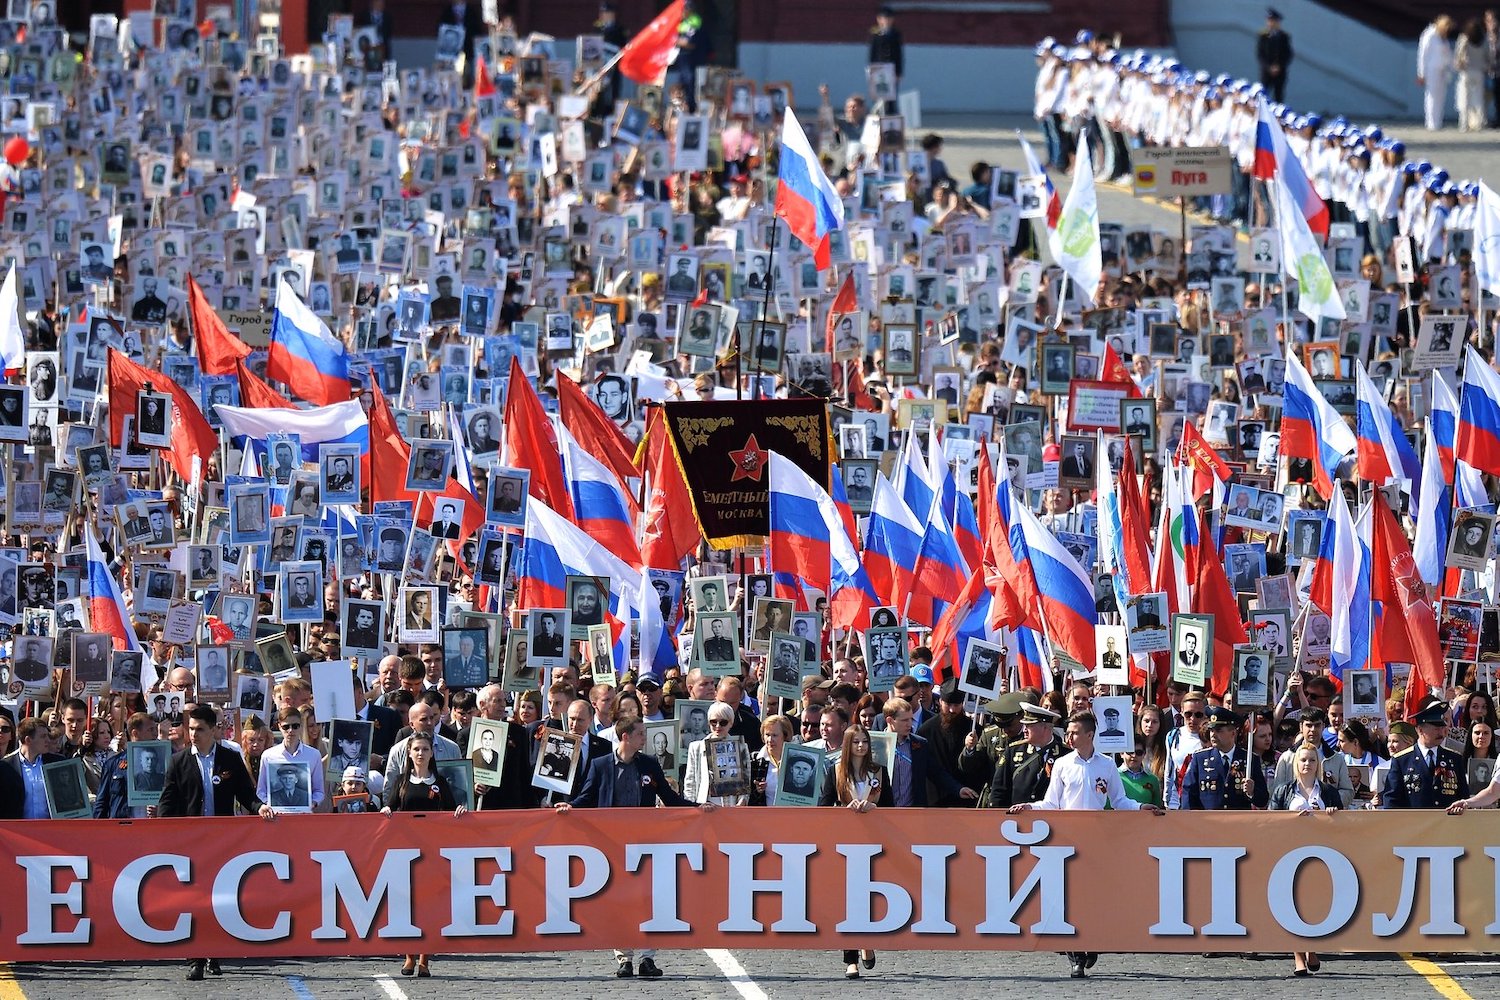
<point>749,461</point>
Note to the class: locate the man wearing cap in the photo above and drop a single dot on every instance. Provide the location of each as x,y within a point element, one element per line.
<point>1273,50</point>
<point>983,752</point>
<point>1427,775</point>
<point>1220,775</point>
<point>1026,770</point>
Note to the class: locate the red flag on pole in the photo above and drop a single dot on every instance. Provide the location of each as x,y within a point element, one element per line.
<point>1407,630</point>
<point>1114,370</point>
<point>531,444</point>
<point>218,349</point>
<point>671,526</point>
<point>483,85</point>
<point>255,393</point>
<point>1198,455</point>
<point>594,431</point>
<point>190,434</point>
<point>644,57</point>
<point>389,456</point>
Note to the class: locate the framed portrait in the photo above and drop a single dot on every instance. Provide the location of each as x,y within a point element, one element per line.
<point>886,655</point>
<point>1138,419</point>
<point>1076,467</point>
<point>466,657</point>
<point>588,599</point>
<point>1440,340</point>
<point>547,637</point>
<point>1111,655</point>
<point>859,482</point>
<point>982,669</point>
<point>301,592</point>
<point>213,664</point>
<point>275,654</point>
<point>1469,541</point>
<point>1276,592</point>
<point>519,673</point>
<point>902,350</point>
<point>768,614</point>
<point>716,645</point>
<point>1253,670</point>
<point>67,789</point>
<point>153,420</point>
<point>1116,724</point>
<point>1192,648</point>
<point>1099,406</point>
<point>506,500</point>
<point>1364,694</point>
<point>419,614</point>
<point>709,593</point>
<point>460,777</point>
<point>1057,364</point>
<point>692,725</point>
<point>601,658</point>
<point>784,673</point>
<point>1314,649</point>
<point>249,514</point>
<point>290,783</point>
<point>430,464</point>
<point>556,761</point>
<point>1145,615</point>
<point>728,765</point>
<point>146,771</point>
<point>363,624</point>
<point>125,671</point>
<point>338,470</point>
<point>251,693</point>
<point>799,779</point>
<point>349,742</point>
<point>488,742</point>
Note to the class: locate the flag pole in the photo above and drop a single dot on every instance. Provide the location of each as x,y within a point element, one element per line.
<point>765,307</point>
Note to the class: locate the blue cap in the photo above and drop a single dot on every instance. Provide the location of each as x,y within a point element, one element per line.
<point>922,673</point>
<point>1397,146</point>
<point>1083,37</point>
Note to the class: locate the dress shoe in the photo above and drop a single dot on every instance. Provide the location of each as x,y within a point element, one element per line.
<point>1313,963</point>
<point>195,970</point>
<point>1075,961</point>
<point>868,958</point>
<point>212,967</point>
<point>649,970</point>
<point>625,971</point>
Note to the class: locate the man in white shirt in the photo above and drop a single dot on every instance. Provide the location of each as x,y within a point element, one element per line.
<point>1083,780</point>
<point>1182,743</point>
<point>290,750</point>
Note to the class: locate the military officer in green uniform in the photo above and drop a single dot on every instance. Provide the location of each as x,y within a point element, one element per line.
<point>983,751</point>
<point>1024,774</point>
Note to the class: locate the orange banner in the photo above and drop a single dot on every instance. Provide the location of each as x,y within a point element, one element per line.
<point>749,878</point>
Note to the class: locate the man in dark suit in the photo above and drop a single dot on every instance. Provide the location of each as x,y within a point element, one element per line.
<point>514,790</point>
<point>1216,775</point>
<point>23,795</point>
<point>207,763</point>
<point>1427,775</point>
<point>471,17</point>
<point>628,778</point>
<point>915,762</point>
<point>379,19</point>
<point>1273,50</point>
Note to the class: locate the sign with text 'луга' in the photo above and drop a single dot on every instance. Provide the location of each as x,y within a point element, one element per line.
<point>1190,171</point>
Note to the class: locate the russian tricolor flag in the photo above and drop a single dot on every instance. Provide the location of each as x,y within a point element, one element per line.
<point>339,423</point>
<point>602,507</point>
<point>805,198</point>
<point>1311,428</point>
<point>1274,160</point>
<point>1478,438</point>
<point>1064,591</point>
<point>1444,426</point>
<point>893,543</point>
<point>809,543</point>
<point>1384,452</point>
<point>1341,586</point>
<point>304,352</point>
<point>107,612</point>
<point>1035,168</point>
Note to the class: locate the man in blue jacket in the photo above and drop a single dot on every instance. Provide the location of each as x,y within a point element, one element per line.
<point>626,779</point>
<point>113,800</point>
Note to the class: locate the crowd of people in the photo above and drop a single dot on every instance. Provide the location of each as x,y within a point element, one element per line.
<point>274,626</point>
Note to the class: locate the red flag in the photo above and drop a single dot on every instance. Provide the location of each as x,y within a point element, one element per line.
<point>483,85</point>
<point>218,349</point>
<point>1135,515</point>
<point>594,431</point>
<point>843,303</point>
<point>1407,629</point>
<point>644,57</point>
<point>191,436</point>
<point>984,499</point>
<point>389,456</point>
<point>256,394</point>
<point>1197,454</point>
<point>1212,595</point>
<point>671,526</point>
<point>1113,370</point>
<point>531,444</point>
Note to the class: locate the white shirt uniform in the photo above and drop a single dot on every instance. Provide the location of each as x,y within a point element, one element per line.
<point>1086,784</point>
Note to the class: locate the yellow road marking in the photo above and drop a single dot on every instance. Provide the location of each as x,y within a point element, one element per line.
<point>9,988</point>
<point>1439,980</point>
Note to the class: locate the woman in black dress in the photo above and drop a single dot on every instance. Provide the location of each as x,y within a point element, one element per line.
<point>420,789</point>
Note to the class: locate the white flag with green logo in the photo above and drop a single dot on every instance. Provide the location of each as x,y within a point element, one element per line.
<point>1075,241</point>
<point>1302,258</point>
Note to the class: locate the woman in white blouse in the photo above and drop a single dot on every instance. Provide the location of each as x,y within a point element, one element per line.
<point>695,783</point>
<point>1307,792</point>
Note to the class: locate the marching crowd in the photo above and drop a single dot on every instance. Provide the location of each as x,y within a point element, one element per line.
<point>281,617</point>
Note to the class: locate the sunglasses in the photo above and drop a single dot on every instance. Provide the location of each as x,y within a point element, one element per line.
<point>7,729</point>
<point>718,722</point>
<point>291,728</point>
<point>1195,715</point>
